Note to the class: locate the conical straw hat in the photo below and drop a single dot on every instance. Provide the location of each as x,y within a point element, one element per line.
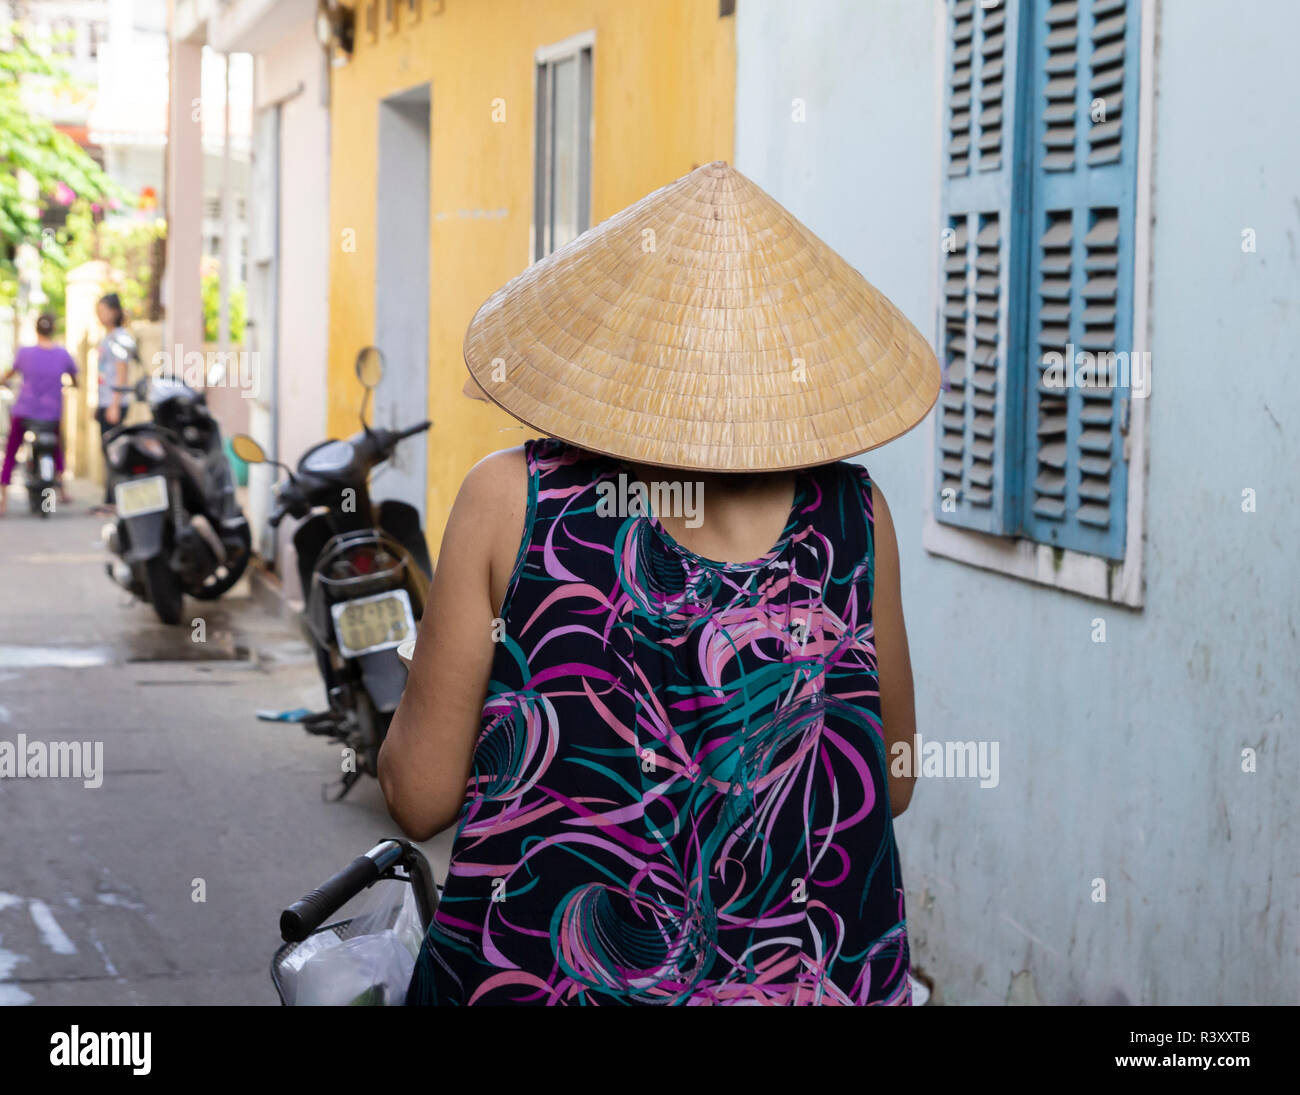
<point>703,328</point>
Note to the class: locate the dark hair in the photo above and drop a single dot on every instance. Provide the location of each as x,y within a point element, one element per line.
<point>114,302</point>
<point>45,324</point>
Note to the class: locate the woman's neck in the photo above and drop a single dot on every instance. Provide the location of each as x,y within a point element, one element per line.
<point>719,484</point>
<point>729,517</point>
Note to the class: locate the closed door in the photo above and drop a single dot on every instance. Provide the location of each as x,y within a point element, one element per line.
<point>402,290</point>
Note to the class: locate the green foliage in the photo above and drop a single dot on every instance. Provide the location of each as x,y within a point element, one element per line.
<point>30,143</point>
<point>211,283</point>
<point>125,245</point>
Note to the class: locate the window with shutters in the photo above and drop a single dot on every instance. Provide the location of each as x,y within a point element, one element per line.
<point>1036,295</point>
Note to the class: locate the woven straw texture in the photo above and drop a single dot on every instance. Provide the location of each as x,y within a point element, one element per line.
<point>703,328</point>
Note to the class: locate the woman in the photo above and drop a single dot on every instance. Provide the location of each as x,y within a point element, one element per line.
<point>42,368</point>
<point>655,712</point>
<point>117,349</point>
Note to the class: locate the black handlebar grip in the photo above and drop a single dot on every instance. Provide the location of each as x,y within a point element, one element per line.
<point>280,510</point>
<point>288,502</point>
<point>414,430</point>
<point>304,916</point>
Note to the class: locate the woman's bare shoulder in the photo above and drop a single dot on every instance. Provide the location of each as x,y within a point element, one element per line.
<point>493,496</point>
<point>498,480</point>
<point>487,520</point>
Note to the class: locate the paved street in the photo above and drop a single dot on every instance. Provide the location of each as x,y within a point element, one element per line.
<point>97,884</point>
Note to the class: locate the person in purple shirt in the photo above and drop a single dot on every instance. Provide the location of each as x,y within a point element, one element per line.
<point>41,399</point>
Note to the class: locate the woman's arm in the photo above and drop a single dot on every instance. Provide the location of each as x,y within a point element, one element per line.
<point>425,760</point>
<point>897,702</point>
<point>114,412</point>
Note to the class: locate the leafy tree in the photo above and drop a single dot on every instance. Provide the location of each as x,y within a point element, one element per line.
<point>30,143</point>
<point>127,246</point>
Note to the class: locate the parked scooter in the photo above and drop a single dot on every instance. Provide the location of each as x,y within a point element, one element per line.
<point>42,439</point>
<point>365,572</point>
<point>179,528</point>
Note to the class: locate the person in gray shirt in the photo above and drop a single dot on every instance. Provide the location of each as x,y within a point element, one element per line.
<point>117,349</point>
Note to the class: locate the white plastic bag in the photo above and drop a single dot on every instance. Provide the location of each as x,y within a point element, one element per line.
<point>372,966</point>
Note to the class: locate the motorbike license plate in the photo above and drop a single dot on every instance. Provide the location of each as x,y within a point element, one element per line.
<point>373,623</point>
<point>136,497</point>
<point>45,468</point>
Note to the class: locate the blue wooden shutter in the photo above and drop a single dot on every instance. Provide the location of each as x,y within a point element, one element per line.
<point>1080,243</point>
<point>978,411</point>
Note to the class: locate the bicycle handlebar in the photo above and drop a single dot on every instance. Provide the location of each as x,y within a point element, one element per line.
<point>307,914</point>
<point>304,917</point>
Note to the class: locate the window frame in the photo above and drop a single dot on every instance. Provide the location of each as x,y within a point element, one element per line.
<point>544,58</point>
<point>1016,556</point>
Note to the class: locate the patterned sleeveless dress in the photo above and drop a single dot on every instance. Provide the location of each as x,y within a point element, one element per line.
<point>678,794</point>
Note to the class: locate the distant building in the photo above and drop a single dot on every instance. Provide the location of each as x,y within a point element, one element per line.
<point>284,203</point>
<point>116,53</point>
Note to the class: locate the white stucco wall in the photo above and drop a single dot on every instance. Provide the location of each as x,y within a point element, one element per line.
<point>1119,760</point>
<point>303,305</point>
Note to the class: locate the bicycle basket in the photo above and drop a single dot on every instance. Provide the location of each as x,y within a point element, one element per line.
<point>364,960</point>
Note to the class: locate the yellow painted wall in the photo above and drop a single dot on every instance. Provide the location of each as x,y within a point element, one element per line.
<point>663,103</point>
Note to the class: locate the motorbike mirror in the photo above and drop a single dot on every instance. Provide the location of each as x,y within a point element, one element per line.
<point>248,450</point>
<point>370,366</point>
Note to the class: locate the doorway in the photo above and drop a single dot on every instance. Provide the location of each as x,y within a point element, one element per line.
<point>402,289</point>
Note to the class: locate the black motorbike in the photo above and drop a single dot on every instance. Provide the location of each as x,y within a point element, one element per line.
<point>179,528</point>
<point>42,439</point>
<point>365,572</point>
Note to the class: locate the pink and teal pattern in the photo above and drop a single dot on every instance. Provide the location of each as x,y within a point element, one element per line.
<point>678,795</point>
